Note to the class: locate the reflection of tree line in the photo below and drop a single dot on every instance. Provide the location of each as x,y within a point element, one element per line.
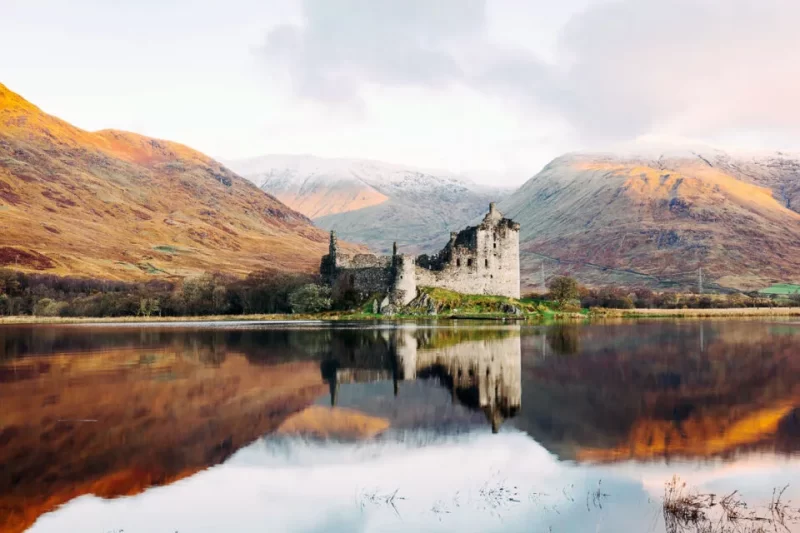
<point>654,390</point>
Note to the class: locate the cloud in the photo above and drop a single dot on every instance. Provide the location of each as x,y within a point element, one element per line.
<point>343,45</point>
<point>622,69</point>
<point>686,67</point>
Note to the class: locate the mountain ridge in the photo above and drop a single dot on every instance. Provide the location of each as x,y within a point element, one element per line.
<point>373,202</point>
<point>639,220</point>
<point>118,205</point>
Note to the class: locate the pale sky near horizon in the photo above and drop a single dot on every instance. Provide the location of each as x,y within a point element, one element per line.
<point>492,88</point>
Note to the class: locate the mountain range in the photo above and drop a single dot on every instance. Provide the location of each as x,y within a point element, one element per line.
<point>117,205</point>
<point>676,218</point>
<point>372,202</point>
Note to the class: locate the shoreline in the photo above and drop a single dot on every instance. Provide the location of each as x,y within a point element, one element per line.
<point>594,314</point>
<point>732,312</point>
<point>251,319</point>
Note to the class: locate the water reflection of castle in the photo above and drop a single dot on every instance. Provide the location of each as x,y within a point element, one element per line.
<point>481,368</point>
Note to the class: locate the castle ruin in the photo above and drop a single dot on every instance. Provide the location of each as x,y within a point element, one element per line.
<point>482,259</point>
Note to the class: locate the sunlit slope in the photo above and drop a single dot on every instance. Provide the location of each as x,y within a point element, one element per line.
<point>118,205</point>
<point>657,221</point>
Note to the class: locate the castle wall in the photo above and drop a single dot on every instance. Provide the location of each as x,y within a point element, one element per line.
<point>481,260</point>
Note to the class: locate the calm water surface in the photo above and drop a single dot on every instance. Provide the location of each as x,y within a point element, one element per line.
<point>414,427</point>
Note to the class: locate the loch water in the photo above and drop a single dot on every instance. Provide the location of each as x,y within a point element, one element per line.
<point>461,426</point>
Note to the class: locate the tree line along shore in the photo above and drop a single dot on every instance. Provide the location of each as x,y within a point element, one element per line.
<point>26,297</point>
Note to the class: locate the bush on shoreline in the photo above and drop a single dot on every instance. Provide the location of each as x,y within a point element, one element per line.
<point>643,298</point>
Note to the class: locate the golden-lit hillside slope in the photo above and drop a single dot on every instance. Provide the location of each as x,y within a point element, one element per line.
<point>113,204</point>
<point>313,186</point>
<point>657,221</point>
<point>331,201</point>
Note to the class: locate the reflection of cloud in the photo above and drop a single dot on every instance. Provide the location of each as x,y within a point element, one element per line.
<point>753,474</point>
<point>297,485</point>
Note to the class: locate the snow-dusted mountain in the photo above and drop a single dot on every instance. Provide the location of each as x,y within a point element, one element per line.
<point>372,202</point>
<point>657,219</point>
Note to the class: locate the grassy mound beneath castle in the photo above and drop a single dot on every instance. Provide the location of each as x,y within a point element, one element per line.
<point>443,302</point>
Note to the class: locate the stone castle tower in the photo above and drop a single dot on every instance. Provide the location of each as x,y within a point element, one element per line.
<point>482,259</point>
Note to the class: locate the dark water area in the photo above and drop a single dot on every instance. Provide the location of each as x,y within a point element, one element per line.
<point>433,426</point>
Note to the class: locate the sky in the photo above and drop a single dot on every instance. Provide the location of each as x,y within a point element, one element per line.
<point>493,88</point>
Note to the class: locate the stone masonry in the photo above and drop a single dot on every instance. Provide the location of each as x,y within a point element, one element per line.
<point>482,259</point>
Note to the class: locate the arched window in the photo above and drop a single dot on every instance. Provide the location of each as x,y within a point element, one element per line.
<point>458,262</point>
<point>487,263</point>
<point>469,262</point>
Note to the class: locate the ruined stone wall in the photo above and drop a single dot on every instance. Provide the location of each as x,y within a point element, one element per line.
<point>365,274</point>
<point>479,260</point>
<point>363,261</point>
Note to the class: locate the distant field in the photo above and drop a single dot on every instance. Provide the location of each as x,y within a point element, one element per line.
<point>704,313</point>
<point>781,289</point>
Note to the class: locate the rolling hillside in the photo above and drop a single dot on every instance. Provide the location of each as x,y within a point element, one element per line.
<point>117,205</point>
<point>371,202</point>
<point>657,220</point>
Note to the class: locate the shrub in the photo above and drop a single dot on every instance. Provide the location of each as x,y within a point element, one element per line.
<point>48,307</point>
<point>310,299</point>
<point>563,288</point>
<point>149,306</point>
<point>570,306</point>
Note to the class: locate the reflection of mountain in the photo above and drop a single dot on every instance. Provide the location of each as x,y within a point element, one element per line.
<point>663,389</point>
<point>114,410</point>
<point>481,374</point>
<point>115,422</point>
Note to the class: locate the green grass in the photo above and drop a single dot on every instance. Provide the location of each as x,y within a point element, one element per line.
<point>169,249</point>
<point>129,266</point>
<point>781,289</point>
<point>456,305</point>
<point>150,268</point>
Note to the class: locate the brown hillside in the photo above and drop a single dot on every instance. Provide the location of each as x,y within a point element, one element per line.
<point>113,204</point>
<point>656,221</point>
